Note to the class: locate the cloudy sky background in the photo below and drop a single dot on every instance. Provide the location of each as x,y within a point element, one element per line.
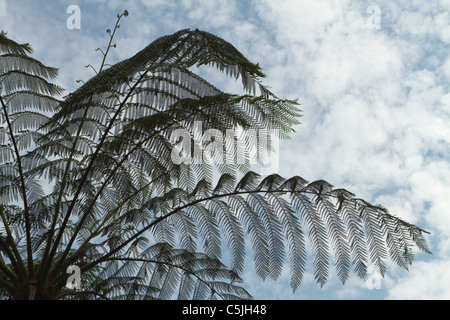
<point>372,79</point>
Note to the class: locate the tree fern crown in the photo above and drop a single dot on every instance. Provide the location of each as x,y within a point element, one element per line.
<point>89,180</point>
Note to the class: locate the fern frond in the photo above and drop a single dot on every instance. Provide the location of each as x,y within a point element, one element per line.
<point>284,216</point>
<point>8,46</point>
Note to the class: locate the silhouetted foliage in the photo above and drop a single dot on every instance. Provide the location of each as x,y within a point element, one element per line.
<point>88,180</point>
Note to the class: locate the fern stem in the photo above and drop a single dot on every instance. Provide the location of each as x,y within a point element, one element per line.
<point>14,256</point>
<point>7,286</point>
<point>6,269</point>
<point>86,174</point>
<point>44,264</point>
<point>23,190</point>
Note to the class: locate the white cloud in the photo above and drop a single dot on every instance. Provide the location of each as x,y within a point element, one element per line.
<point>446,68</point>
<point>214,14</point>
<point>432,185</point>
<point>2,8</point>
<point>425,281</point>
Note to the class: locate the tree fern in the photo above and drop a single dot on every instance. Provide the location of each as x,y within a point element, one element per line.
<point>142,226</point>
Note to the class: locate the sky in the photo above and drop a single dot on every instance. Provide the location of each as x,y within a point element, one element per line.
<point>372,78</point>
